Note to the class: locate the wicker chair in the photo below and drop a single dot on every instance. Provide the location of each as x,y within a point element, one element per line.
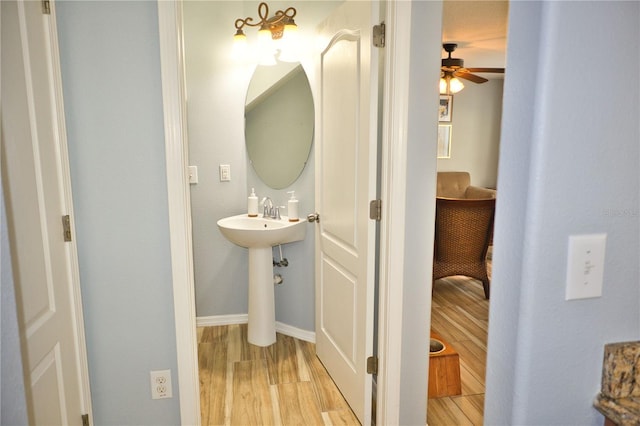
<point>462,235</point>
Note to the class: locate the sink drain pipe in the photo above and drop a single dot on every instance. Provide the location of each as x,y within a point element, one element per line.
<point>277,278</point>
<point>283,260</point>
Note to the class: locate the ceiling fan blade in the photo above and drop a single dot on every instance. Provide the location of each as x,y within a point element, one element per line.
<point>489,70</point>
<point>470,77</point>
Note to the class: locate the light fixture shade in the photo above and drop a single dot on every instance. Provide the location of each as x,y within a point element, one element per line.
<point>264,34</point>
<point>455,85</point>
<point>450,84</point>
<point>239,35</point>
<point>240,51</point>
<point>290,26</point>
<point>443,86</point>
<point>289,46</point>
<point>266,47</point>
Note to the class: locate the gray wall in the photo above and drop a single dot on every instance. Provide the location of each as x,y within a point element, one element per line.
<point>216,89</point>
<point>113,106</point>
<point>475,134</point>
<point>568,165</point>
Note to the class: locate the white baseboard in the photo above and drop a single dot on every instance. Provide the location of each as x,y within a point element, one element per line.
<point>222,320</point>
<point>286,329</point>
<point>298,333</point>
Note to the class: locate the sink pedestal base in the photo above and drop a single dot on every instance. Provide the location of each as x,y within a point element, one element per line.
<point>262,309</point>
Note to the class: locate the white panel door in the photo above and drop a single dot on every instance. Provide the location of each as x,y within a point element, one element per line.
<point>345,183</point>
<point>34,189</point>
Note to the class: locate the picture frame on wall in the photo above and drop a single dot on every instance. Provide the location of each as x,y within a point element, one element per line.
<point>444,141</point>
<point>445,111</point>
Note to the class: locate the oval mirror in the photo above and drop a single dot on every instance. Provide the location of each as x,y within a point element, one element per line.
<point>279,119</point>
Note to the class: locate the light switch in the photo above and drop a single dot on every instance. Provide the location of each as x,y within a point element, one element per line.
<point>585,266</point>
<point>225,172</point>
<point>193,174</point>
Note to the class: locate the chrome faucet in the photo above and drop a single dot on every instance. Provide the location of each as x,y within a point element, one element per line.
<point>269,210</point>
<point>267,207</point>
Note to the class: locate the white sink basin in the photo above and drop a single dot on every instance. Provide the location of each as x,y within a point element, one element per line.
<point>259,235</point>
<point>251,232</point>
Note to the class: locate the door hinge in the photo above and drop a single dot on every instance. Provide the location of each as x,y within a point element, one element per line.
<point>46,7</point>
<point>378,35</point>
<point>66,227</point>
<point>85,420</point>
<point>372,365</point>
<point>375,210</point>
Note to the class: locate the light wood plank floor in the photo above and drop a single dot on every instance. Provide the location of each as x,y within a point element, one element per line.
<point>283,384</point>
<point>460,314</point>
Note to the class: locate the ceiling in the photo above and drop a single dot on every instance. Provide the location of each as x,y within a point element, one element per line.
<point>479,27</point>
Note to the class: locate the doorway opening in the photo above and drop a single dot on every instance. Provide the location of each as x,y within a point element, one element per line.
<point>460,310</point>
<point>219,266</point>
<point>390,406</point>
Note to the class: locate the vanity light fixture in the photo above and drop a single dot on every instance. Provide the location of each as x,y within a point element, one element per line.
<point>276,26</point>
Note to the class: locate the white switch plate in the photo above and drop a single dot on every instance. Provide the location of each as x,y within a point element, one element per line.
<point>225,172</point>
<point>585,266</point>
<point>193,174</point>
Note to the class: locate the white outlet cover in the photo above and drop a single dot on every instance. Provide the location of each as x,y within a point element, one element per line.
<point>161,384</point>
<point>585,266</point>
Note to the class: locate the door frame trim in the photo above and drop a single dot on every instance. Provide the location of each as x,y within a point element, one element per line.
<point>179,204</point>
<point>393,227</point>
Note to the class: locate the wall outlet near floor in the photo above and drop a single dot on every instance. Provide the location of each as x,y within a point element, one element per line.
<point>161,384</point>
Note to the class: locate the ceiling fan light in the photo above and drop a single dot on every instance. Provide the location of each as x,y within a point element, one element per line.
<point>455,85</point>
<point>443,86</point>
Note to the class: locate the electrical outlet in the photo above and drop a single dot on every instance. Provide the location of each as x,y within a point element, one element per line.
<point>161,384</point>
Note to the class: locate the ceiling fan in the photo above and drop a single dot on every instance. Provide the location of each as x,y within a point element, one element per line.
<point>453,68</point>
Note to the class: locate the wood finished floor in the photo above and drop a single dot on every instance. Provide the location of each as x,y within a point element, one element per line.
<point>460,314</point>
<point>283,384</point>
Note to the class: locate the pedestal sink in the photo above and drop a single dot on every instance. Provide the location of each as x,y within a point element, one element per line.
<point>259,234</point>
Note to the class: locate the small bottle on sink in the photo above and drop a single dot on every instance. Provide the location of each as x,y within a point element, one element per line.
<point>252,204</point>
<point>292,207</point>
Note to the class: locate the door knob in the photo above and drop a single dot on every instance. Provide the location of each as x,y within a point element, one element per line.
<point>313,217</point>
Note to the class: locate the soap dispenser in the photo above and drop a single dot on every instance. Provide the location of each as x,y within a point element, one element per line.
<point>292,207</point>
<point>252,204</point>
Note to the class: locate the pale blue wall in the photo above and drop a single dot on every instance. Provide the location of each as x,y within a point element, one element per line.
<point>216,88</point>
<point>569,164</point>
<point>113,106</point>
